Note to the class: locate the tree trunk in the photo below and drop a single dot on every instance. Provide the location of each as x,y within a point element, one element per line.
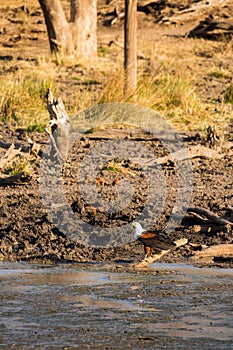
<point>77,37</point>
<point>130,46</point>
<point>84,27</point>
<point>60,38</point>
<point>73,10</point>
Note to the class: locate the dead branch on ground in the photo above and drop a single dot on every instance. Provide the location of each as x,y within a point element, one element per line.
<point>17,179</point>
<point>215,219</point>
<point>150,259</point>
<point>209,26</point>
<point>17,153</point>
<point>210,253</point>
<point>17,145</point>
<point>9,155</point>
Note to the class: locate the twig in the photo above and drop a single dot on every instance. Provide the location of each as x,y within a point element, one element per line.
<point>115,42</point>
<point>119,16</point>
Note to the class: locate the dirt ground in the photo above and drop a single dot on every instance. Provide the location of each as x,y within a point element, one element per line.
<point>26,231</point>
<point>28,234</point>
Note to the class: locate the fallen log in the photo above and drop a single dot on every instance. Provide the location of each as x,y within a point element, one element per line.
<point>17,145</point>
<point>210,215</point>
<point>207,28</point>
<point>17,179</point>
<point>195,219</point>
<point>150,259</point>
<point>223,259</point>
<point>198,151</point>
<point>210,253</point>
<point>197,10</point>
<point>229,208</point>
<point>33,146</point>
<point>208,229</point>
<point>193,152</point>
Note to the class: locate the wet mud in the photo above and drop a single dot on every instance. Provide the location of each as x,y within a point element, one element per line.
<point>94,306</point>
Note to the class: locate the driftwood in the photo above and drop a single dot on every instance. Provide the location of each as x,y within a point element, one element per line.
<point>17,179</point>
<point>127,132</point>
<point>151,259</point>
<point>209,215</point>
<point>209,228</point>
<point>198,151</point>
<point>165,12</point>
<point>27,153</point>
<point>24,153</point>
<point>9,155</point>
<point>208,27</point>
<point>223,259</point>
<point>58,127</point>
<point>196,11</point>
<point>193,152</point>
<point>210,253</point>
<point>118,17</point>
<point>33,146</point>
<point>22,147</point>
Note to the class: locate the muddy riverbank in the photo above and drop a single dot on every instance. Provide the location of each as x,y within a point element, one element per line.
<point>28,234</point>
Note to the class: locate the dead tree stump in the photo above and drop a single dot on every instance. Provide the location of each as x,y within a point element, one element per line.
<point>58,128</point>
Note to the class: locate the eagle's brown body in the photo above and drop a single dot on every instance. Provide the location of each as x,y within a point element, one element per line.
<point>155,240</point>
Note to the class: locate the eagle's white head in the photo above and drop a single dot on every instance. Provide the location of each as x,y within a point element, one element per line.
<point>138,229</point>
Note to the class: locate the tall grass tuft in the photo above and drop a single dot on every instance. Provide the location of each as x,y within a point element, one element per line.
<point>228,96</point>
<point>23,99</point>
<point>171,93</point>
<point>163,85</point>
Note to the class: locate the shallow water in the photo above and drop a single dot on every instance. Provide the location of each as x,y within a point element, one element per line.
<point>167,306</point>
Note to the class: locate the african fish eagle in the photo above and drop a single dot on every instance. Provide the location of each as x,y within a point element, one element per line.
<point>152,239</point>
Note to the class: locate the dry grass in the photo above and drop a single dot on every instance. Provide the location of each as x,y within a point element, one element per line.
<point>228,97</point>
<point>22,96</point>
<point>169,82</point>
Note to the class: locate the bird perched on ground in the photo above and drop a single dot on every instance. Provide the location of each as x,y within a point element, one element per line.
<point>152,239</point>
